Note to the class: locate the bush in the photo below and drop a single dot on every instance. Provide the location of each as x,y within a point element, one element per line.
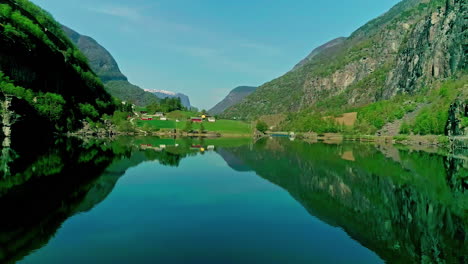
<point>88,111</point>
<point>405,128</point>
<point>400,138</point>
<point>188,126</point>
<point>262,126</point>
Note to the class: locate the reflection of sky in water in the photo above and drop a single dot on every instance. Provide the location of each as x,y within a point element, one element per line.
<point>200,212</point>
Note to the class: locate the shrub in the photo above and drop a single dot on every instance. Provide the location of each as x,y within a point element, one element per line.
<point>405,128</point>
<point>88,110</point>
<point>262,126</point>
<point>400,138</point>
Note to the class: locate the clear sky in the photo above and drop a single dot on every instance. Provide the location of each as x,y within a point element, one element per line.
<point>205,48</point>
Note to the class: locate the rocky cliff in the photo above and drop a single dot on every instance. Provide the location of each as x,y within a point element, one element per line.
<point>411,47</point>
<point>234,97</point>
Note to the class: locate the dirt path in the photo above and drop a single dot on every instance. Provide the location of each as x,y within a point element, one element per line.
<point>393,128</point>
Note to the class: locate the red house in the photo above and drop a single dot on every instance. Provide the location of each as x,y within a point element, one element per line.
<point>146,119</point>
<point>196,119</point>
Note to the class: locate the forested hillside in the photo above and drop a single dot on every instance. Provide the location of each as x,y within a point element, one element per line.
<point>45,81</point>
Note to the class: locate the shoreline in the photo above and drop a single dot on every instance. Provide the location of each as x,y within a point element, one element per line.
<point>408,140</point>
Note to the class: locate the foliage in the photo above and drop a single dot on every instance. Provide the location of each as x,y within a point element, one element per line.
<point>165,105</point>
<point>380,113</point>
<point>311,122</point>
<point>262,126</point>
<point>88,111</point>
<point>48,105</point>
<point>405,128</point>
<point>24,27</point>
<point>433,118</point>
<point>188,126</point>
<point>120,120</point>
<point>130,93</point>
<point>201,128</point>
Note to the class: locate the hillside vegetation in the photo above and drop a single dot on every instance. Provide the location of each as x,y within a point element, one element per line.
<point>45,80</point>
<point>384,70</point>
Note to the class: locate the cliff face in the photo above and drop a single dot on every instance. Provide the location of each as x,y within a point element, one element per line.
<point>415,44</point>
<point>432,49</point>
<point>234,97</point>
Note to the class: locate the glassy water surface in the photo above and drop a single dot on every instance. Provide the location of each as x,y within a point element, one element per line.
<point>147,200</point>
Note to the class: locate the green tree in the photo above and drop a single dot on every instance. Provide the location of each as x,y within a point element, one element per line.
<point>188,126</point>
<point>202,128</point>
<point>88,110</point>
<point>262,126</point>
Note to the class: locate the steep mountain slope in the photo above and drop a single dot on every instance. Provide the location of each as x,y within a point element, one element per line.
<point>234,97</point>
<point>411,47</point>
<point>327,47</point>
<point>105,66</point>
<point>184,99</point>
<point>46,83</point>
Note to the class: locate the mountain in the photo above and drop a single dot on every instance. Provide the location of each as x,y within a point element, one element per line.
<point>46,83</point>
<point>105,66</point>
<point>409,50</point>
<point>184,99</point>
<point>327,47</point>
<point>234,97</point>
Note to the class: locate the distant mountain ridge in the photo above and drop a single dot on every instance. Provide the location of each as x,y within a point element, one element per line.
<point>234,97</point>
<point>116,83</point>
<point>184,99</point>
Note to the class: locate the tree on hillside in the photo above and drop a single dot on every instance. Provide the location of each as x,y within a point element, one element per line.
<point>202,128</point>
<point>188,126</point>
<point>262,126</point>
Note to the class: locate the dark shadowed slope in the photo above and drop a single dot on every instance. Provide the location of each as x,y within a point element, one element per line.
<point>234,97</point>
<point>105,66</point>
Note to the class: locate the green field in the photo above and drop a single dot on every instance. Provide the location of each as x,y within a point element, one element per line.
<point>226,127</point>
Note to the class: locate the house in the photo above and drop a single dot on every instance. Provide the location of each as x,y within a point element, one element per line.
<point>196,119</point>
<point>159,114</point>
<point>146,118</point>
<point>211,119</point>
<point>163,118</point>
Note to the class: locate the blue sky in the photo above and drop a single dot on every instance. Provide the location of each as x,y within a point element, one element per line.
<point>205,48</point>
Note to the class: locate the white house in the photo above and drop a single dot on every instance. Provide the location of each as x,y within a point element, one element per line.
<point>159,114</point>
<point>211,119</point>
<point>163,118</point>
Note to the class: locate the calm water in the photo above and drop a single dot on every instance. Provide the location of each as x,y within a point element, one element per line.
<point>151,200</point>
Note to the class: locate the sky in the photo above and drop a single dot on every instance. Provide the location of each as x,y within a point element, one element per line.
<point>205,48</point>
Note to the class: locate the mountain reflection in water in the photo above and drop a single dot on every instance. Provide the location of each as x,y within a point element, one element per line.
<point>405,205</point>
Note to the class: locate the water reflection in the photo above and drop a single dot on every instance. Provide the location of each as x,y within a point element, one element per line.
<point>405,205</point>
